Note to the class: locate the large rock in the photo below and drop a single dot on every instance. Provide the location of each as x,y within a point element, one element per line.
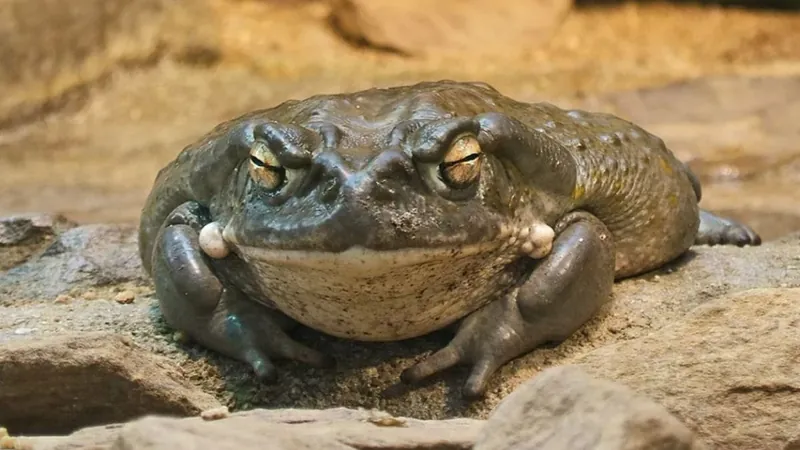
<point>333,429</point>
<point>563,408</point>
<point>729,369</point>
<point>52,50</point>
<point>466,27</point>
<point>59,384</point>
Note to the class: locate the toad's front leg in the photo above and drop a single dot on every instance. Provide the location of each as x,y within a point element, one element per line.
<point>194,300</point>
<point>564,290</point>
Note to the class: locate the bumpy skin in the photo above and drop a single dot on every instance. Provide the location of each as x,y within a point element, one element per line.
<point>366,240</point>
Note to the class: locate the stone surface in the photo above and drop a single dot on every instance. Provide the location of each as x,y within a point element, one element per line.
<point>466,27</point>
<point>52,50</point>
<point>334,429</point>
<point>61,383</point>
<point>563,408</point>
<point>729,369</point>
<point>25,235</point>
<point>81,257</point>
<point>367,374</point>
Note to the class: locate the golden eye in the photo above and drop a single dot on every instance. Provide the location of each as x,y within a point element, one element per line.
<point>462,163</point>
<point>265,168</point>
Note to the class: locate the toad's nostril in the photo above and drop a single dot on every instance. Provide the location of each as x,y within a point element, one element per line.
<point>329,190</point>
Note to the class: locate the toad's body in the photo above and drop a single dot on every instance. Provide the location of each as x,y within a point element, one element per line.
<point>387,214</point>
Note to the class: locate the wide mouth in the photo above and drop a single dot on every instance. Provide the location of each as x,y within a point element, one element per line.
<point>360,258</point>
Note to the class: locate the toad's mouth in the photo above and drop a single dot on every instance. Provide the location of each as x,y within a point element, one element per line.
<point>362,259</point>
<point>368,294</point>
<point>534,241</point>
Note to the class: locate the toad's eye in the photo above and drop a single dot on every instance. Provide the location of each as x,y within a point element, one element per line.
<point>265,168</point>
<point>462,163</point>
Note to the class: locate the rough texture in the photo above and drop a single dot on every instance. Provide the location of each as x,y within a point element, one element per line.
<point>95,161</point>
<point>335,429</point>
<point>52,50</point>
<point>58,384</point>
<point>83,257</point>
<point>563,408</point>
<point>367,374</point>
<point>421,27</point>
<point>739,136</point>
<point>22,236</point>
<point>728,369</point>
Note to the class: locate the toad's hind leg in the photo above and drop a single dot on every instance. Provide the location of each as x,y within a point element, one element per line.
<point>717,230</point>
<point>194,300</point>
<point>562,292</point>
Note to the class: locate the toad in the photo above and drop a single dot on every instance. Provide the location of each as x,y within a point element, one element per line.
<point>388,214</point>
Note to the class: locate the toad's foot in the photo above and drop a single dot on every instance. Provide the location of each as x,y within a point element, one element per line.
<point>716,230</point>
<point>194,300</point>
<point>564,290</point>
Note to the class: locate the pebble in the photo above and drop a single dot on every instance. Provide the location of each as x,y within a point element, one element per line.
<point>215,413</point>
<point>63,299</point>
<point>23,331</point>
<point>125,297</point>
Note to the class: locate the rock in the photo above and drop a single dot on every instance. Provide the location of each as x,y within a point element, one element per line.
<point>17,230</point>
<point>52,50</point>
<point>729,369</point>
<point>23,236</point>
<point>85,256</point>
<point>59,384</point>
<point>335,429</point>
<point>421,27</point>
<point>367,374</point>
<point>563,408</point>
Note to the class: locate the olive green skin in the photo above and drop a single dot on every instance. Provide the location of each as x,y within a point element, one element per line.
<point>366,175</point>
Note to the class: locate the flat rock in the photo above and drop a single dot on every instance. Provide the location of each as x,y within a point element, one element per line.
<point>59,384</point>
<point>729,369</point>
<point>420,27</point>
<point>563,408</point>
<point>334,429</point>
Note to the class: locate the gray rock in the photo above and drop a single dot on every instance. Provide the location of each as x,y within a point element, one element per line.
<point>729,369</point>
<point>81,257</point>
<point>563,408</point>
<point>21,228</point>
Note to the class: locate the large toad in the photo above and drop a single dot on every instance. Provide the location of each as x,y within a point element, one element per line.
<point>390,213</point>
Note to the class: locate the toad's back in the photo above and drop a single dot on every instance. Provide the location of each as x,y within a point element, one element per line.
<point>626,177</point>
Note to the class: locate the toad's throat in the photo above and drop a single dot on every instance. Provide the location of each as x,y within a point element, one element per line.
<point>381,295</point>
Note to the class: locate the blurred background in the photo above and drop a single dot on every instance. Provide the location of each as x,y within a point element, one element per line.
<point>97,95</point>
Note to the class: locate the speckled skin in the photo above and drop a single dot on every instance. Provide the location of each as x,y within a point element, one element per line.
<point>366,240</point>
